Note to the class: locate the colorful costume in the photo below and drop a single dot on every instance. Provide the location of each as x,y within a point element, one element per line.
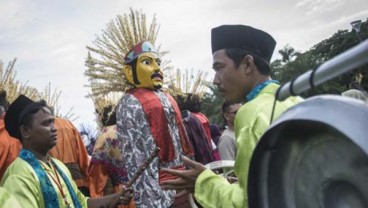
<point>251,121</point>
<point>107,171</point>
<point>138,142</point>
<point>198,138</point>
<point>147,118</point>
<point>106,167</point>
<point>71,151</point>
<point>23,181</point>
<point>206,125</point>
<point>9,148</point>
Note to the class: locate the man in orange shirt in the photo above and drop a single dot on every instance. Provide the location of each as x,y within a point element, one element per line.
<point>71,151</point>
<point>9,146</point>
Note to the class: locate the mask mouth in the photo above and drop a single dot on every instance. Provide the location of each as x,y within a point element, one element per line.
<point>157,77</point>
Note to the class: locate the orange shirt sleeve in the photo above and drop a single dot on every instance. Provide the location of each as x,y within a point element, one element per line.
<point>9,149</point>
<point>97,179</point>
<point>83,159</point>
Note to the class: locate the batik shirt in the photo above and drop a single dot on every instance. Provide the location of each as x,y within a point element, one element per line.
<point>107,153</point>
<point>138,143</point>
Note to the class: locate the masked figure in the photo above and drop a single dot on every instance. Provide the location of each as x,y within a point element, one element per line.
<point>148,117</point>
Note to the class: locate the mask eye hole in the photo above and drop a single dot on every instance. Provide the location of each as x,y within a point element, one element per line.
<point>146,62</point>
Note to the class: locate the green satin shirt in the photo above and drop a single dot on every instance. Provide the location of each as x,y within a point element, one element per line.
<point>21,181</point>
<point>251,121</point>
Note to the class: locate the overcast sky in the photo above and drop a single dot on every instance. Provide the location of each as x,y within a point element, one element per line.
<point>49,37</point>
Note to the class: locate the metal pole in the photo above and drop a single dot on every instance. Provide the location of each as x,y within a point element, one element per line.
<point>332,68</point>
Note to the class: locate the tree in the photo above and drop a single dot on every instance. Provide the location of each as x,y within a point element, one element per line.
<point>287,53</point>
<point>212,105</point>
<point>341,41</point>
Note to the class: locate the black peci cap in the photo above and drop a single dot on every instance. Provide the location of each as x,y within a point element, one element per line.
<point>243,37</point>
<point>13,113</point>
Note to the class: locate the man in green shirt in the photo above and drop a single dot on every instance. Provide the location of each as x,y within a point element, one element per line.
<point>241,57</point>
<point>35,179</point>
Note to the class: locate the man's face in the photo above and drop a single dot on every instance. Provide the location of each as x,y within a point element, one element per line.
<point>148,70</point>
<point>231,112</point>
<point>230,80</point>
<point>42,132</point>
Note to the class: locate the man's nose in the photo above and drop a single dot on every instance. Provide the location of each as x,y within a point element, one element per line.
<point>53,127</point>
<point>216,80</point>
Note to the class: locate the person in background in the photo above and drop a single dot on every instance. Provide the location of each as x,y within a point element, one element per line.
<point>195,130</point>
<point>35,178</point>
<point>106,171</point>
<point>71,151</point>
<point>241,60</point>
<point>9,146</point>
<point>215,133</point>
<point>227,144</point>
<point>195,108</point>
<point>148,117</point>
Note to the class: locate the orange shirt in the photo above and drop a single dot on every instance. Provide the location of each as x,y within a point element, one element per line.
<point>98,183</point>
<point>9,148</point>
<point>71,151</point>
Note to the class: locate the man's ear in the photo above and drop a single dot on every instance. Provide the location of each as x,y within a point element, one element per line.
<point>247,64</point>
<point>226,116</point>
<point>128,71</point>
<point>24,132</point>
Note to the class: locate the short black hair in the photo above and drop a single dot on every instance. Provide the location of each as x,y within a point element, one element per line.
<point>3,101</point>
<point>26,116</point>
<point>108,117</point>
<point>190,102</point>
<point>237,56</point>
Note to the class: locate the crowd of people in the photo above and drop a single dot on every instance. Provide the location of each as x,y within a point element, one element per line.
<point>44,162</point>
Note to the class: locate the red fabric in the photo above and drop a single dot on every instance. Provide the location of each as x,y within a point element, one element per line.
<point>164,176</point>
<point>9,148</point>
<point>185,144</point>
<point>206,125</point>
<point>157,121</point>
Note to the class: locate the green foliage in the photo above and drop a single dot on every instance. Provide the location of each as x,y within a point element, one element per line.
<point>212,104</point>
<point>286,69</point>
